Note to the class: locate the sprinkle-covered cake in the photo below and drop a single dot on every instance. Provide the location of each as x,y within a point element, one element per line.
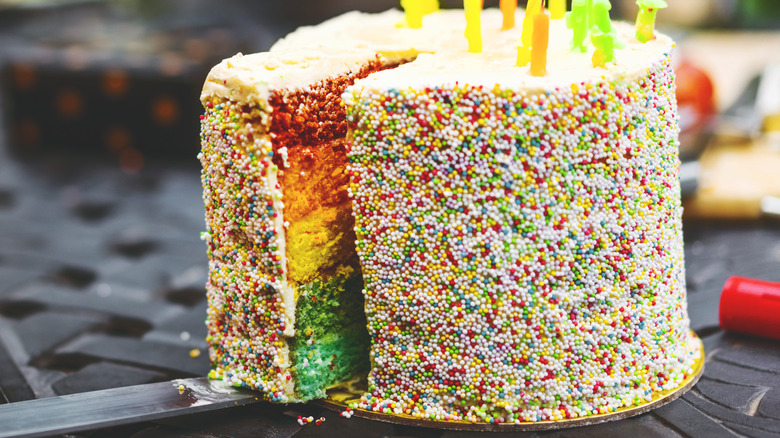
<point>517,229</point>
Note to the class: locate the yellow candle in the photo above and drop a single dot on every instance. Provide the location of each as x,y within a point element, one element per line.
<point>645,19</point>
<point>557,9</point>
<point>508,8</point>
<point>524,49</point>
<point>473,9</point>
<point>414,12</point>
<point>430,6</point>
<point>541,39</point>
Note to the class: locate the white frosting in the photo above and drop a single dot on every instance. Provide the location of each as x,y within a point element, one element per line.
<point>251,78</point>
<point>386,33</point>
<point>439,50</point>
<point>496,64</point>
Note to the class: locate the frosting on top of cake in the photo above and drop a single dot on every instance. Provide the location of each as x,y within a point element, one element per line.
<point>252,78</point>
<point>387,34</point>
<point>438,52</point>
<point>496,64</point>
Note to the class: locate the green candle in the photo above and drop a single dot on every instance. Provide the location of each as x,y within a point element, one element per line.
<point>602,33</point>
<point>600,13</point>
<point>645,18</point>
<point>577,21</point>
<point>590,14</point>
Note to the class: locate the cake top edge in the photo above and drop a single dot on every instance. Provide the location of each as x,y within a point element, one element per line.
<point>439,52</point>
<point>253,77</point>
<point>496,66</point>
<point>383,32</point>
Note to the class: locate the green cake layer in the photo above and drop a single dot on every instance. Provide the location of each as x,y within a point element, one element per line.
<point>332,343</point>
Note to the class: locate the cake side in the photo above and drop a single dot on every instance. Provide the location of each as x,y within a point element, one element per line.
<point>258,141</point>
<point>521,246</point>
<point>247,314</point>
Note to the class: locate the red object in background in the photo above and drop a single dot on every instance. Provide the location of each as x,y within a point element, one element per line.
<point>750,306</point>
<point>696,107</point>
<point>695,91</point>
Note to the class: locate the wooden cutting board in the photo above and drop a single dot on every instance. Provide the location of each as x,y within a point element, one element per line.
<point>735,177</point>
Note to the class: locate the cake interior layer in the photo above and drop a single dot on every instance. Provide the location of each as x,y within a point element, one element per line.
<point>314,114</point>
<point>308,129</point>
<point>320,232</point>
<point>332,342</point>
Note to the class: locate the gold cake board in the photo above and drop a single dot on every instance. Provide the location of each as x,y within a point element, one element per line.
<point>340,398</point>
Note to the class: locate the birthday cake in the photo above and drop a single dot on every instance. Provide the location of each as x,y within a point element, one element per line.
<point>486,243</point>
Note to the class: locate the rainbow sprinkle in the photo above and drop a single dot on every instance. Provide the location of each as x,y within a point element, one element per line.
<point>522,253</point>
<point>247,318</point>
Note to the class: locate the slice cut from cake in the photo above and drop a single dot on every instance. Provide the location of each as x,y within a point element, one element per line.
<point>285,305</point>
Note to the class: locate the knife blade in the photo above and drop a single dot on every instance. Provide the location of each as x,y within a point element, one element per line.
<point>118,406</point>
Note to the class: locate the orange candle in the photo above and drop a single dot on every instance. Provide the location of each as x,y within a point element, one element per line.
<point>541,39</point>
<point>526,38</point>
<point>508,8</point>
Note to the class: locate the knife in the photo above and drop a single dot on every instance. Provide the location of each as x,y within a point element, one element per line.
<point>118,406</point>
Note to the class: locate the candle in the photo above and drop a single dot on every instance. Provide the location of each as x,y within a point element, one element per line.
<point>430,6</point>
<point>557,9</point>
<point>577,21</point>
<point>508,8</point>
<point>602,34</point>
<point>473,8</point>
<point>534,7</point>
<point>590,14</point>
<point>645,18</point>
<point>600,14</point>
<point>526,38</point>
<point>541,39</point>
<point>414,12</point>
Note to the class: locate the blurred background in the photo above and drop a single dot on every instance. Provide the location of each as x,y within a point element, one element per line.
<point>101,209</point>
<point>120,79</point>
